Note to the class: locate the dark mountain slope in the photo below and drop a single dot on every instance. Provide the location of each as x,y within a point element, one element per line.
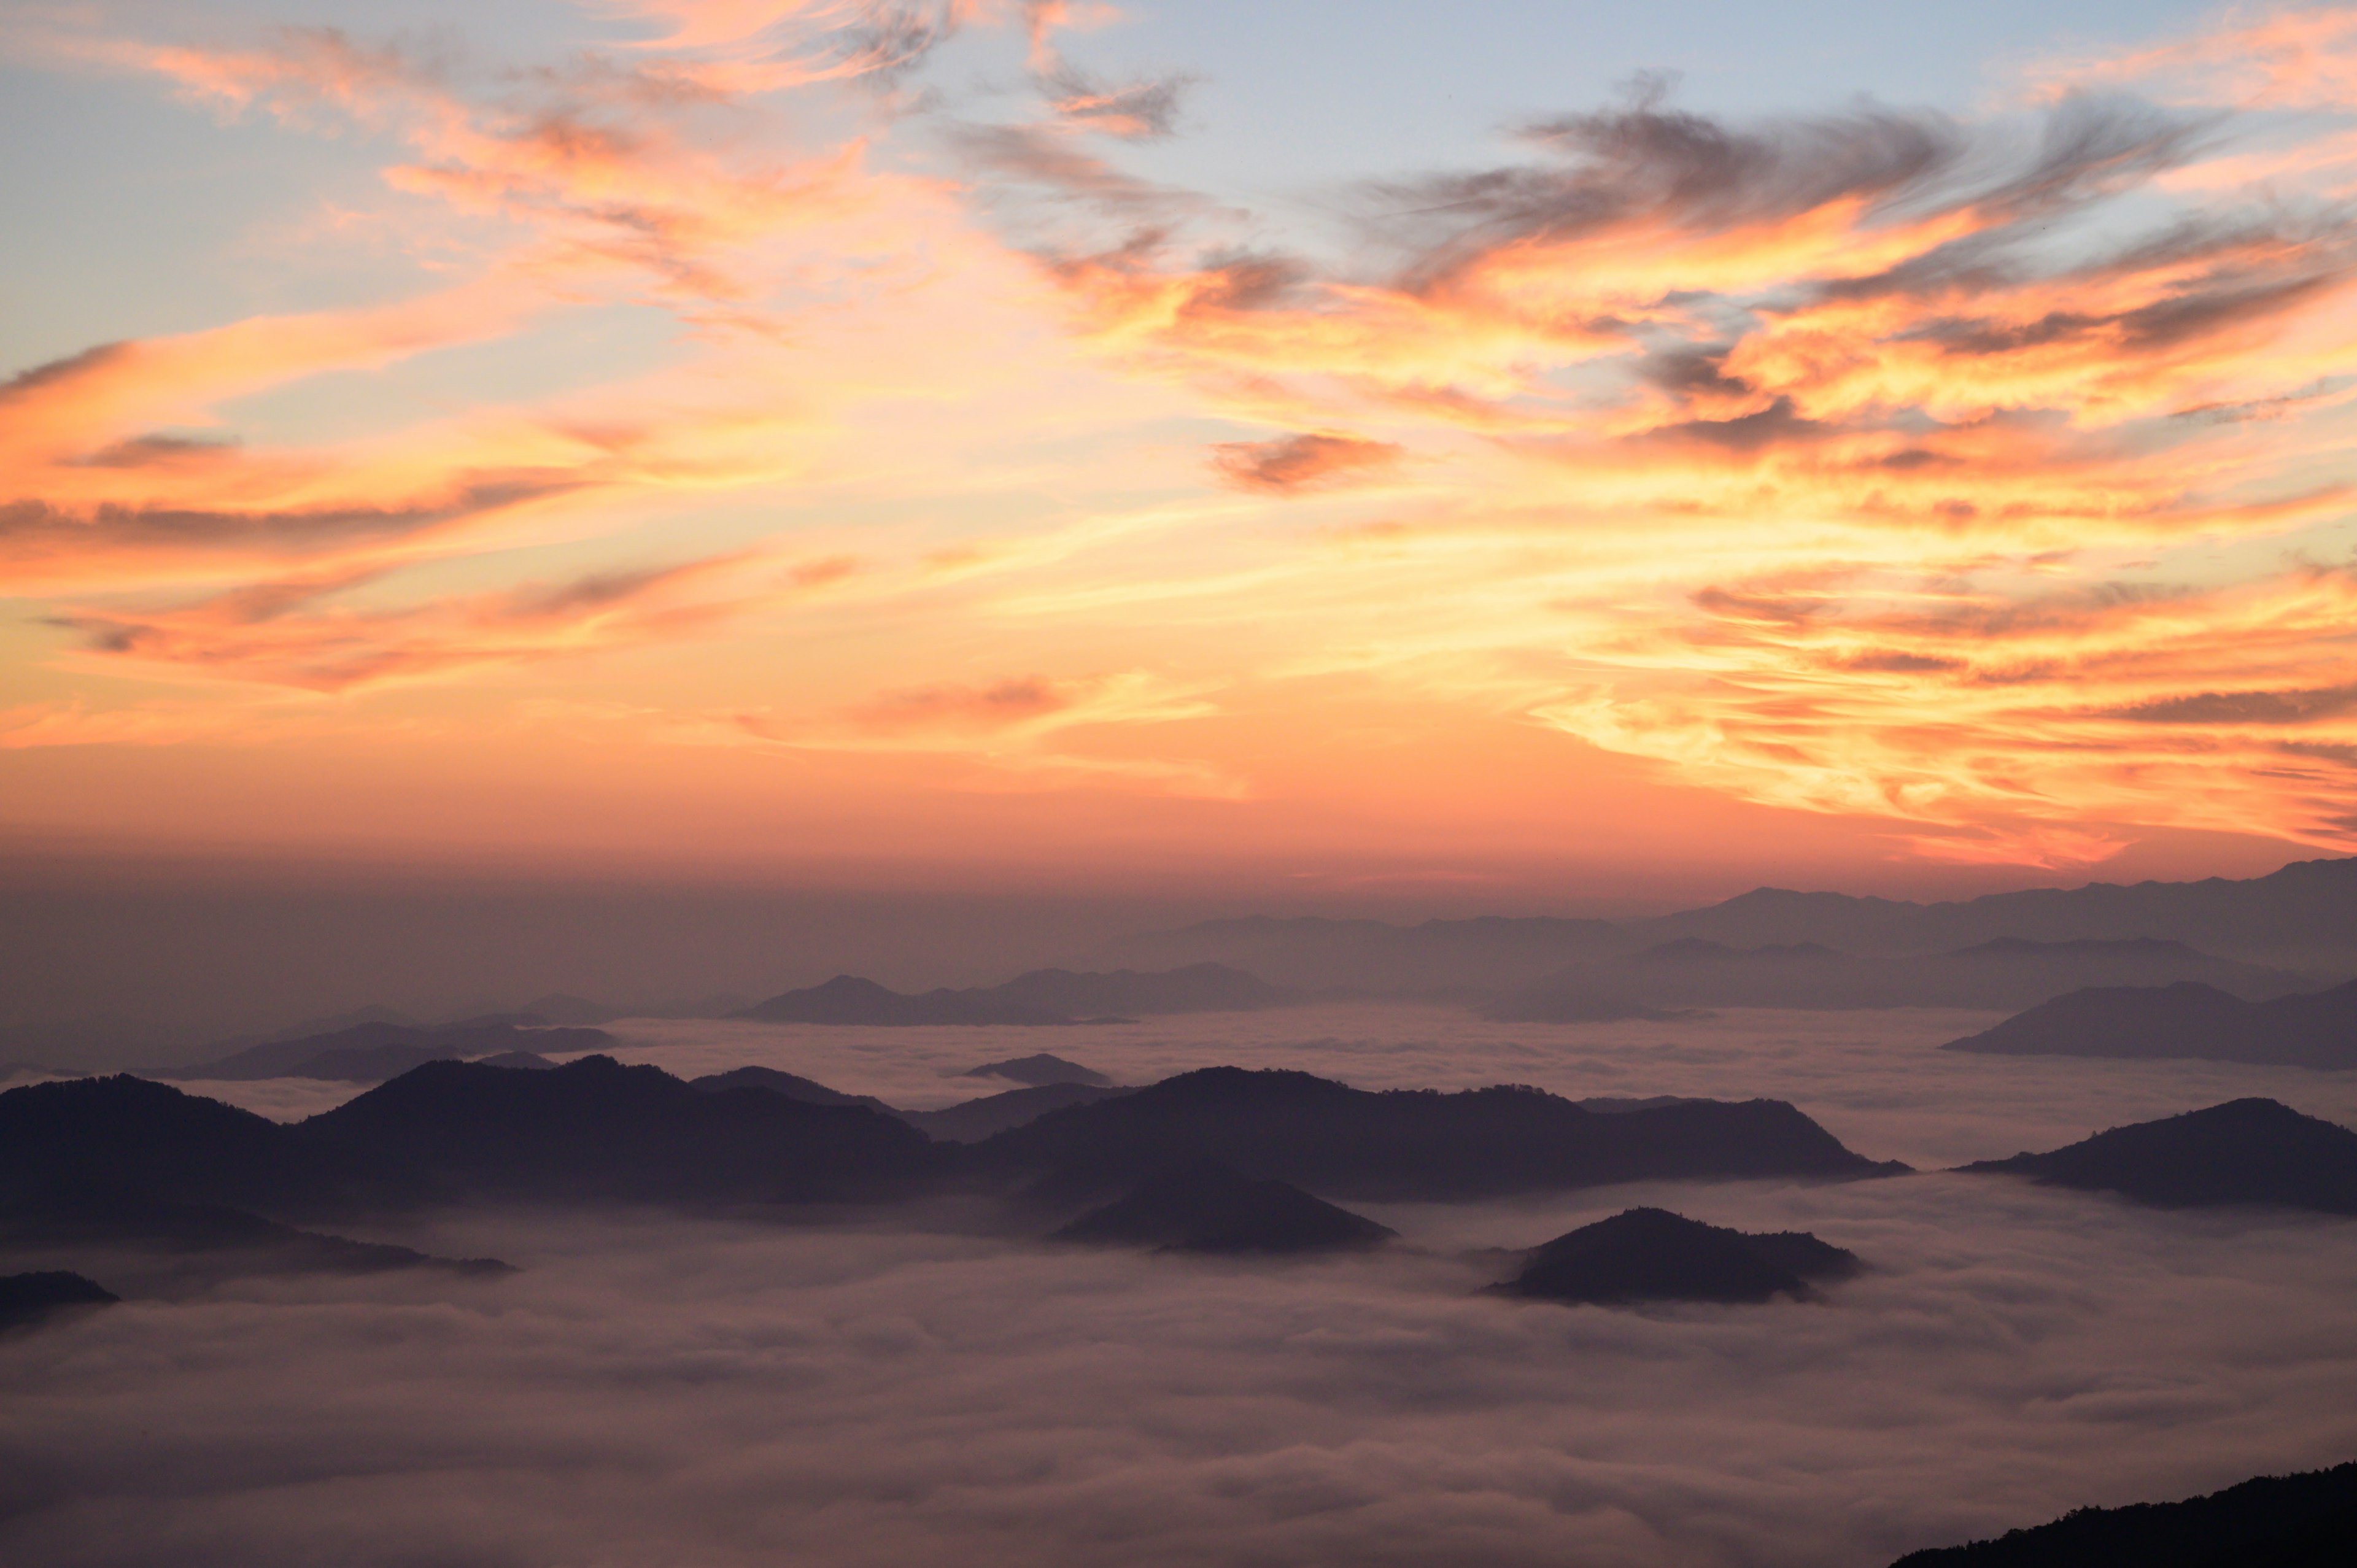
<point>793,1086</point>
<point>2317,1029</point>
<point>1207,1207</point>
<point>72,1217</point>
<point>596,1129</point>
<point>974,1120</point>
<point>125,1132</point>
<point>1651,1254</point>
<point>28,1299</point>
<point>1406,1143</point>
<point>2247,1151</point>
<point>2306,1520</point>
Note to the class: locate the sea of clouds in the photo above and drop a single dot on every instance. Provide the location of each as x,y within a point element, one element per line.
<point>923,1386</point>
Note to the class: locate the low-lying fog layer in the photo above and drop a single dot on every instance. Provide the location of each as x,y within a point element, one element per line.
<point>657,1389</point>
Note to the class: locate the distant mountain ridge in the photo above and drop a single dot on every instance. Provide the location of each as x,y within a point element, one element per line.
<point>2317,1029</point>
<point>374,1051</point>
<point>2296,927</point>
<point>1040,998</point>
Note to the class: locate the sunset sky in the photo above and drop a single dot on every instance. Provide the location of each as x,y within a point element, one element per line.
<point>1340,444</point>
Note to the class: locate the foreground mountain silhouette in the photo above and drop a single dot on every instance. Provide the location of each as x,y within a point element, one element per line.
<point>594,1129</point>
<point>1651,1254</point>
<point>1205,1206</point>
<point>2306,1520</point>
<point>2245,1151</point>
<point>27,1299</point>
<point>2315,1029</point>
<point>1408,1143</point>
<point>375,1051</point>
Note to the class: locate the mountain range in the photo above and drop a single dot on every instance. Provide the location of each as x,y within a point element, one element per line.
<point>1404,1144</point>
<point>2315,1029</point>
<point>374,1050</point>
<point>2302,917</point>
<point>1042,997</point>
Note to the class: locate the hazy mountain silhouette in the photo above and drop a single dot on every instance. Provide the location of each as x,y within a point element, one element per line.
<point>2305,912</point>
<point>974,1120</point>
<point>1205,1206</point>
<point>2245,1151</point>
<point>596,1129</point>
<point>787,1084</point>
<point>2306,1520</point>
<point>1651,1254</point>
<point>848,999</point>
<point>1040,1070</point>
<point>1406,1143</point>
<point>234,1242</point>
<point>1195,988</point>
<point>2006,949</point>
<point>1312,953</point>
<point>2317,1029</point>
<point>28,1299</point>
<point>373,1052</point>
<point>2008,972</point>
<point>525,1060</point>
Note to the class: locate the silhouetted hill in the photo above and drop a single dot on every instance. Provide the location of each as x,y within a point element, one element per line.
<point>1408,1143</point>
<point>1196,988</point>
<point>1311,953</point>
<point>2247,1151</point>
<point>1205,1206</point>
<point>974,1120</point>
<point>152,1138</point>
<point>2008,973</point>
<point>2306,1520</point>
<point>1651,1254</point>
<point>2307,912</point>
<point>526,1060</point>
<point>1040,1070</point>
<point>85,1215</point>
<point>2318,1029</point>
<point>792,1087</point>
<point>848,999</point>
<point>370,1053</point>
<point>27,1299</point>
<point>596,1129</point>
